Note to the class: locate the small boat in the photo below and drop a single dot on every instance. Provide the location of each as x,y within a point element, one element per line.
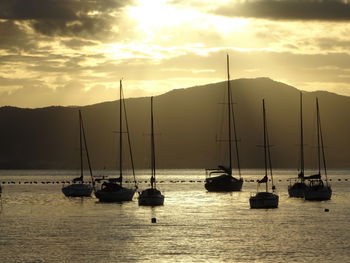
<point>265,199</point>
<point>112,189</point>
<point>297,185</point>
<point>152,196</point>
<point>79,188</point>
<point>316,189</point>
<point>220,179</point>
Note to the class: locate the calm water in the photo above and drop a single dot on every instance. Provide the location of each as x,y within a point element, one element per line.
<point>39,224</point>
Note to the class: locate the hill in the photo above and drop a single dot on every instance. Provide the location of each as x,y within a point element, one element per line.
<point>190,126</point>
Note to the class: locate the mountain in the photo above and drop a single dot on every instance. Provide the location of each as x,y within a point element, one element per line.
<point>189,123</point>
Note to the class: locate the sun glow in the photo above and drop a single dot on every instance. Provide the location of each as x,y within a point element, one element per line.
<point>155,18</point>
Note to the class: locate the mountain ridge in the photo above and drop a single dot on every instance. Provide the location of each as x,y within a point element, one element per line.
<point>188,120</point>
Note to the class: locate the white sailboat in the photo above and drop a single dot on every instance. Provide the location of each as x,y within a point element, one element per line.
<point>265,199</point>
<point>297,185</point>
<point>225,181</point>
<point>112,190</point>
<point>79,188</point>
<point>316,189</point>
<point>152,196</point>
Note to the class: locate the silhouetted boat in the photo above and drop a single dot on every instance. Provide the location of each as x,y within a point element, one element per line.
<point>225,182</point>
<point>297,185</point>
<point>112,189</point>
<point>152,196</point>
<point>316,190</point>
<point>79,188</point>
<point>265,199</point>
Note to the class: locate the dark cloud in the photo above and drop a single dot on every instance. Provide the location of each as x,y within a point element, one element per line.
<point>84,18</point>
<point>13,38</point>
<point>328,10</point>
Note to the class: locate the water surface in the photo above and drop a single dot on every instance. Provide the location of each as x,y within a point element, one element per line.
<point>39,224</point>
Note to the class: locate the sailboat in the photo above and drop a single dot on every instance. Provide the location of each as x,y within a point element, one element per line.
<point>297,185</point>
<point>316,189</point>
<point>112,189</point>
<point>78,188</point>
<point>225,182</point>
<point>152,196</point>
<point>265,199</point>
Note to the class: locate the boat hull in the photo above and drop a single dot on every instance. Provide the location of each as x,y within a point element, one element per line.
<point>151,197</point>
<point>296,190</point>
<point>223,183</point>
<point>151,200</point>
<point>120,195</point>
<point>318,194</point>
<point>77,190</point>
<point>264,200</point>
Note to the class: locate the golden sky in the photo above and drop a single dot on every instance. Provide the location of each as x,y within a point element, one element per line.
<point>73,52</point>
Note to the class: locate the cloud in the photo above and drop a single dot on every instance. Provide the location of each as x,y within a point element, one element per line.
<point>329,10</point>
<point>65,17</point>
<point>13,38</point>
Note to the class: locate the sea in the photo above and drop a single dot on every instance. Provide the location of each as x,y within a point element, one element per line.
<point>39,224</point>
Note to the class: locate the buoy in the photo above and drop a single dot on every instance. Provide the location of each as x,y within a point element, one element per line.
<point>154,220</point>
<point>326,210</point>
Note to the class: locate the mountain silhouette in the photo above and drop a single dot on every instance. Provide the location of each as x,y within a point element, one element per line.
<point>190,129</point>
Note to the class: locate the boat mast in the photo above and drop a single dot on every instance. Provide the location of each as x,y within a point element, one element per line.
<point>229,114</point>
<point>233,121</point>
<point>81,147</point>
<point>301,136</point>
<point>153,156</point>
<point>269,154</point>
<point>265,143</point>
<point>318,137</point>
<point>87,151</point>
<point>129,141</point>
<point>120,134</point>
<point>321,139</point>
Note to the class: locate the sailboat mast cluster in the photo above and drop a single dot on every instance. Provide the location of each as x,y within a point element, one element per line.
<point>219,179</point>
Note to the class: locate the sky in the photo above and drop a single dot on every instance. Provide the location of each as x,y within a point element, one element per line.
<point>74,52</point>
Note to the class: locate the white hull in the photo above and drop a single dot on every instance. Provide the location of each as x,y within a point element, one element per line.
<point>120,195</point>
<point>77,190</point>
<point>319,194</point>
<point>264,200</point>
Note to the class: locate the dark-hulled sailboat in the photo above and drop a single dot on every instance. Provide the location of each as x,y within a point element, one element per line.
<point>220,179</point>
<point>265,199</point>
<point>79,188</point>
<point>316,189</point>
<point>297,185</point>
<point>112,190</point>
<point>152,196</point>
